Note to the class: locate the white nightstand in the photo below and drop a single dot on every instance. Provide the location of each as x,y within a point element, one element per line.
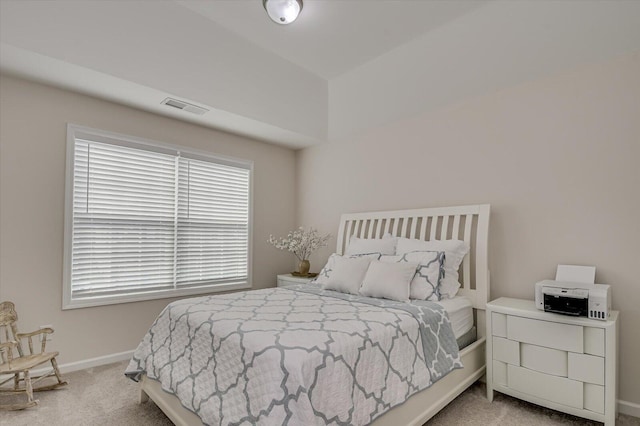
<point>565,363</point>
<point>288,279</point>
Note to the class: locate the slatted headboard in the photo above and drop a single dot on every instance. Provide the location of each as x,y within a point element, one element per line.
<point>468,223</point>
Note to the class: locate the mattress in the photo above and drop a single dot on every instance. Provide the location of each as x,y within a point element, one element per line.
<point>460,312</point>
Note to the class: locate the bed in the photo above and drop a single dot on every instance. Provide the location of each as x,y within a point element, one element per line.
<point>468,223</point>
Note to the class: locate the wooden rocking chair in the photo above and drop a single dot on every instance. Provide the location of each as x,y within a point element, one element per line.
<point>20,366</point>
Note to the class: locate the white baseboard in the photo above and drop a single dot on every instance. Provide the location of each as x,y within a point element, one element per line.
<point>629,408</point>
<point>96,362</point>
<point>81,365</point>
<point>88,363</point>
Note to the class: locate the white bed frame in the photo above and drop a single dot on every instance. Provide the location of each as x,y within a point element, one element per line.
<point>468,223</point>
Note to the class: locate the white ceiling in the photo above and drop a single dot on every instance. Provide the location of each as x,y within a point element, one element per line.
<point>332,37</point>
<point>337,66</point>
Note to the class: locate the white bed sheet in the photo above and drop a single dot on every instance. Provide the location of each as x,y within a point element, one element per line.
<point>460,310</point>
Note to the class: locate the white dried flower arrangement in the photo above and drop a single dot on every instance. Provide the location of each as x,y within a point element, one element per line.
<point>301,242</point>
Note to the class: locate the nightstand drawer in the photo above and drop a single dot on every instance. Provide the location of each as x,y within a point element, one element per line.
<point>500,372</point>
<point>594,341</point>
<point>499,327</point>
<point>545,333</point>
<point>544,360</point>
<point>545,386</point>
<point>506,350</point>
<point>594,398</point>
<point>586,368</point>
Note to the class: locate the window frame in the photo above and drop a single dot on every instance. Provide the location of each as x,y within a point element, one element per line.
<point>75,131</point>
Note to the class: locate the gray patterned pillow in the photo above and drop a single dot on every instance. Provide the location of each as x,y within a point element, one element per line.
<point>455,251</point>
<point>425,283</point>
<point>325,274</point>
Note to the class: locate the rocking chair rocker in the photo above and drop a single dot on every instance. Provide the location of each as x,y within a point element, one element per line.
<point>20,366</point>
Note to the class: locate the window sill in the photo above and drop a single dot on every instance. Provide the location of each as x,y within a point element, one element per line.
<point>88,302</point>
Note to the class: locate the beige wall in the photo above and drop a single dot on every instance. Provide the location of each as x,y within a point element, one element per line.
<point>557,159</point>
<point>33,120</point>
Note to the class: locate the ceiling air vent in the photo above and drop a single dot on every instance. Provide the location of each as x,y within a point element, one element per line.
<point>174,103</point>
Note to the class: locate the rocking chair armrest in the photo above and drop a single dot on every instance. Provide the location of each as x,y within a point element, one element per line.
<point>29,337</point>
<point>46,330</point>
<point>8,344</point>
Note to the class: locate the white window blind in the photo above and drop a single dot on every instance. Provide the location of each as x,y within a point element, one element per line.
<point>151,221</point>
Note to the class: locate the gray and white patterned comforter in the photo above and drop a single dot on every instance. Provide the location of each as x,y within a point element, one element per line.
<point>298,355</point>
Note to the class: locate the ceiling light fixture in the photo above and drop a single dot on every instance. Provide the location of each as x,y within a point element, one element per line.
<point>282,11</point>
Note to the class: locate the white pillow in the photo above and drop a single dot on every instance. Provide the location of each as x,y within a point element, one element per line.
<point>347,274</point>
<point>384,245</point>
<point>388,280</point>
<point>424,285</point>
<point>327,270</point>
<point>455,251</point>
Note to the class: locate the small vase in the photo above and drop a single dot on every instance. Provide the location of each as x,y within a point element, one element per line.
<point>303,267</point>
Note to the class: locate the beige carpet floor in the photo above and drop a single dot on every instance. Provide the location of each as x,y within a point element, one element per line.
<point>104,396</point>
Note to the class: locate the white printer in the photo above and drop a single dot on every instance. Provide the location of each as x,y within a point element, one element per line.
<point>569,294</point>
<point>569,298</point>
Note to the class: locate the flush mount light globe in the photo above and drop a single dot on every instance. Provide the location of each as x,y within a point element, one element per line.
<point>282,11</point>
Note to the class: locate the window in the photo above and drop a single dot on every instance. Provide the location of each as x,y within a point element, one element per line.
<point>146,220</point>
